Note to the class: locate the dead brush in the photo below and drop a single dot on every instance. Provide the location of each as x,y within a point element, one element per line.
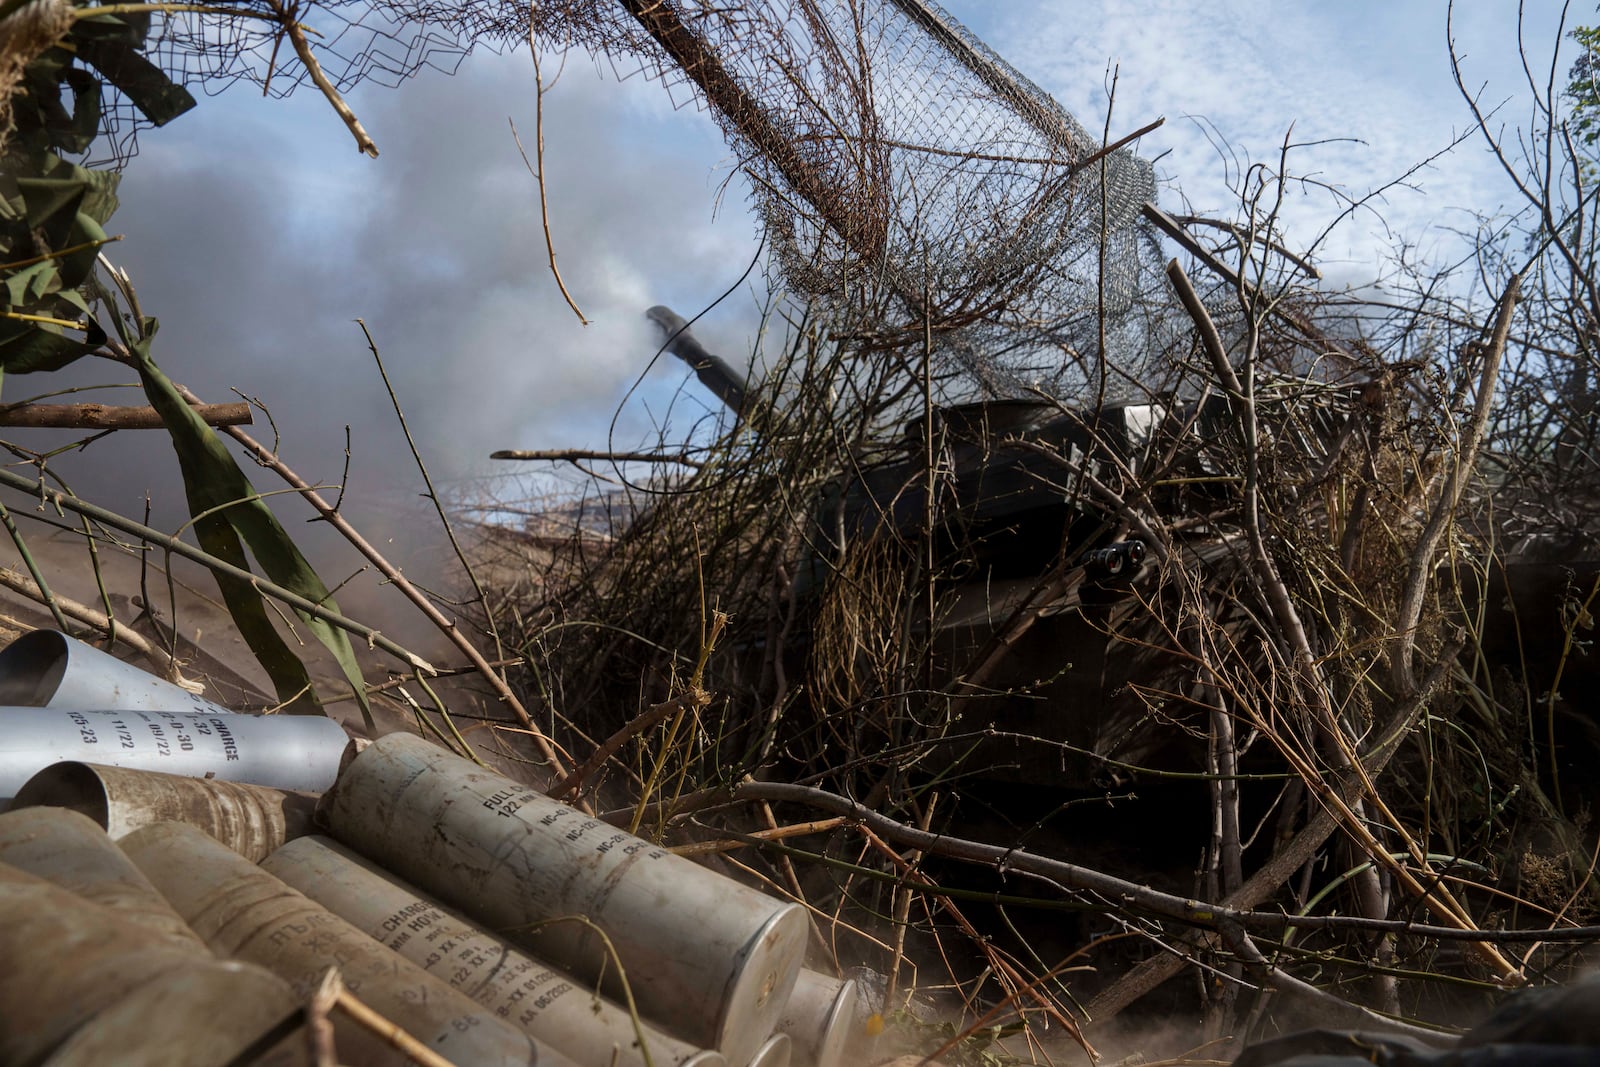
<point>1251,680</point>
<point>1272,707</point>
<point>732,535</point>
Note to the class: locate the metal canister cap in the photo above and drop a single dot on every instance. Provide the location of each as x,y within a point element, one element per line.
<point>761,989</point>
<point>775,1053</point>
<point>837,1031</point>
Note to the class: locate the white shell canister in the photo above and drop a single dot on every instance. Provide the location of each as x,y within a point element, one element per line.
<point>554,1007</point>
<point>777,1051</point>
<point>708,959</point>
<point>50,669</point>
<point>820,1019</point>
<point>300,752</point>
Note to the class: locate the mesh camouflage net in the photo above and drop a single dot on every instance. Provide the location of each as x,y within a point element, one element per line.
<point>891,150</point>
<point>905,172</point>
<point>353,41</point>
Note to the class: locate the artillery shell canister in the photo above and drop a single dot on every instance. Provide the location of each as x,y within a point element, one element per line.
<point>246,913</point>
<point>820,1019</point>
<point>253,820</point>
<point>283,751</point>
<point>69,961</point>
<point>707,959</point>
<point>552,1006</point>
<point>776,1052</point>
<point>67,848</point>
<point>220,1012</point>
<point>50,669</point>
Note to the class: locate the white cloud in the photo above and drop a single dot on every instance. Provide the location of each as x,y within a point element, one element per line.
<point>1252,69</point>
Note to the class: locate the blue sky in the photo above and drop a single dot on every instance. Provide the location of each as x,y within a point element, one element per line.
<point>1377,72</point>
<point>257,233</point>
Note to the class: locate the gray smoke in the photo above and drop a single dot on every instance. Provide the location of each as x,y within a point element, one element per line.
<point>257,234</point>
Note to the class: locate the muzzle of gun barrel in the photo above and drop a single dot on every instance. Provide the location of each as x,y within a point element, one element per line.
<point>1114,560</point>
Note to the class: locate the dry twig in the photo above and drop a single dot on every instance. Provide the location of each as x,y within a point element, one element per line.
<point>112,417</point>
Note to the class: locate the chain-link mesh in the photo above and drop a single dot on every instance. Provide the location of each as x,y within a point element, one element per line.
<point>353,41</point>
<point>890,149</point>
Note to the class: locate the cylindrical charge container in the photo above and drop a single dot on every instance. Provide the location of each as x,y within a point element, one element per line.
<point>552,1006</point>
<point>223,1012</point>
<point>70,964</point>
<point>820,1019</point>
<point>244,912</point>
<point>708,959</point>
<point>777,1052</point>
<point>68,849</point>
<point>253,820</point>
<point>283,751</point>
<point>50,669</point>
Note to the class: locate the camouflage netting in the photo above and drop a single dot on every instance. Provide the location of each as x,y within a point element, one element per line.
<point>903,170</point>
<point>891,152</point>
<point>212,50</point>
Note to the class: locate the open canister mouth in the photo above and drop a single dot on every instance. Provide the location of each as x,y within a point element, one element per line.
<point>50,669</point>
<point>31,668</point>
<point>252,820</point>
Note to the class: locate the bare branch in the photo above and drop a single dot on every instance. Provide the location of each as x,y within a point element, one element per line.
<point>111,417</point>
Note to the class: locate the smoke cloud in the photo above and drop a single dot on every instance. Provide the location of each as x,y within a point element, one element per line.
<point>257,234</point>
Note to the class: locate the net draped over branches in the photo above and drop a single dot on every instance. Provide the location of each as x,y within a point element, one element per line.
<point>905,172</point>
<point>214,49</point>
<point>892,153</point>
